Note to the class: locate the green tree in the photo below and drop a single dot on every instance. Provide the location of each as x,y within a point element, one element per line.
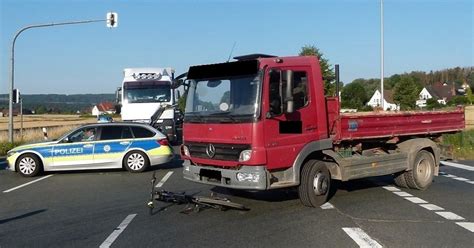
<point>354,96</point>
<point>470,97</point>
<point>326,68</point>
<point>432,104</point>
<point>406,92</point>
<point>458,100</point>
<point>182,102</point>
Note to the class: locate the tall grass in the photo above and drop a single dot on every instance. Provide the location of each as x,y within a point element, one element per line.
<point>31,135</point>
<point>463,144</point>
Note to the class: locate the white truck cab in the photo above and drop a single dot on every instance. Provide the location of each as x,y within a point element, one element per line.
<point>144,91</point>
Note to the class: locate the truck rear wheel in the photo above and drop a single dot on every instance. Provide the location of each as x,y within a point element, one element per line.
<point>315,183</point>
<point>400,180</point>
<point>422,173</point>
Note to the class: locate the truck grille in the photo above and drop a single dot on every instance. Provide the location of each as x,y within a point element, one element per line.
<point>228,152</point>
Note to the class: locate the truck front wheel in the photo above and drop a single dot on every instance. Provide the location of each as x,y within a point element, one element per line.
<point>422,173</point>
<point>315,183</point>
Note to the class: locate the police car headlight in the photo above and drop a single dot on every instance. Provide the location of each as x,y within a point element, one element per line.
<point>11,153</point>
<point>248,177</point>
<point>245,155</point>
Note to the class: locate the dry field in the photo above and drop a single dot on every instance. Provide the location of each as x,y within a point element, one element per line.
<point>33,124</point>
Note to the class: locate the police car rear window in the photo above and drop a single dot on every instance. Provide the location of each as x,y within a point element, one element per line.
<point>141,132</point>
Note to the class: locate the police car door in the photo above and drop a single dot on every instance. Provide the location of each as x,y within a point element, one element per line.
<point>76,151</point>
<point>111,146</point>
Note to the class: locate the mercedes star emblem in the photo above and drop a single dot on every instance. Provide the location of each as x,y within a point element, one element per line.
<point>210,151</point>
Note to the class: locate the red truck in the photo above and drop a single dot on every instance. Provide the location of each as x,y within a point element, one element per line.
<point>263,122</point>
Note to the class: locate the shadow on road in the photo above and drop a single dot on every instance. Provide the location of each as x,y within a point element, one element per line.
<point>22,216</point>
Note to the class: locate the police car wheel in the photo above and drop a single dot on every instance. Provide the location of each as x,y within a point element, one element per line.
<point>28,165</point>
<point>136,161</point>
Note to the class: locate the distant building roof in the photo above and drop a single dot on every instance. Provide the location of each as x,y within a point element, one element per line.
<point>105,106</point>
<point>388,96</point>
<point>442,90</point>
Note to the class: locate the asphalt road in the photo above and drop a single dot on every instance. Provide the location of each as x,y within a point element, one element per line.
<point>94,208</point>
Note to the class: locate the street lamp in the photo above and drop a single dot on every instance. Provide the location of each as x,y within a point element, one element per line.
<point>381,56</point>
<point>111,20</point>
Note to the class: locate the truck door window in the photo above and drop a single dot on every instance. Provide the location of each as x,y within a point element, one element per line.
<point>277,92</point>
<point>300,93</point>
<point>275,89</point>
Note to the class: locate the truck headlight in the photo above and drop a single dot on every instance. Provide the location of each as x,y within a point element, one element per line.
<point>168,127</point>
<point>186,151</point>
<point>245,155</point>
<point>248,176</point>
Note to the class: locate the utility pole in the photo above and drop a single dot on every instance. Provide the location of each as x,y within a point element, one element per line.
<point>111,20</point>
<point>381,56</point>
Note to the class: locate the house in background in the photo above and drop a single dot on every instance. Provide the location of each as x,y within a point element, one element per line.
<point>103,108</point>
<point>441,92</point>
<point>388,100</point>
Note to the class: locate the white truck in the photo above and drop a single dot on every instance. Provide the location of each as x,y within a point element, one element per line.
<point>147,95</point>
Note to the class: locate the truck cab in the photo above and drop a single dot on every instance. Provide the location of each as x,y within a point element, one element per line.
<point>242,116</point>
<point>144,91</point>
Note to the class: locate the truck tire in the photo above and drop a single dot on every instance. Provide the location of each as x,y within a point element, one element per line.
<point>315,183</point>
<point>400,180</point>
<point>422,173</point>
<point>28,165</point>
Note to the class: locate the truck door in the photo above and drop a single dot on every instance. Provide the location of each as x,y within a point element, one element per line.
<point>287,133</point>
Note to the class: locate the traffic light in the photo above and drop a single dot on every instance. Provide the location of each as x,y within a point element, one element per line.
<point>112,20</point>
<point>16,96</point>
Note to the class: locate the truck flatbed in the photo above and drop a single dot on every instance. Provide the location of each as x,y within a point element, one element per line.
<point>374,125</point>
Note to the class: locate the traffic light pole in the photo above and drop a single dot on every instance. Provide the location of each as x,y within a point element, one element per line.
<point>12,71</point>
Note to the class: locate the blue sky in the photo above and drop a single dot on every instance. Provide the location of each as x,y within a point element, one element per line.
<point>89,58</point>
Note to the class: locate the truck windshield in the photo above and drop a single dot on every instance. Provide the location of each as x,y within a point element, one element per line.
<point>227,99</point>
<point>146,91</point>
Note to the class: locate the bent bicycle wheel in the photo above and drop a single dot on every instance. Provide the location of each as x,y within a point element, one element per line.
<point>221,202</point>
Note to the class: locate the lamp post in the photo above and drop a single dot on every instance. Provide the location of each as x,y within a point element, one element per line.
<point>381,56</point>
<point>111,20</point>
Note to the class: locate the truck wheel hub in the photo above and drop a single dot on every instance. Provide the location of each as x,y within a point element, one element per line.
<point>320,184</point>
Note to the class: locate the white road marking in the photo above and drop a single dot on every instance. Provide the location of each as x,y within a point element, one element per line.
<point>360,237</point>
<point>163,180</point>
<point>327,205</point>
<point>402,194</point>
<point>431,207</point>
<point>422,203</point>
<point>442,173</point>
<point>459,166</point>
<point>449,175</point>
<point>450,215</point>
<point>114,235</point>
<point>391,188</point>
<point>468,225</point>
<point>26,184</point>
<point>461,179</point>
<point>415,200</point>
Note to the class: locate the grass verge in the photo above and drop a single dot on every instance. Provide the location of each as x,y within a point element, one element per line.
<point>463,144</point>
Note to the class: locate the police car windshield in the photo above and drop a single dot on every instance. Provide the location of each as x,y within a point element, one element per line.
<point>147,91</point>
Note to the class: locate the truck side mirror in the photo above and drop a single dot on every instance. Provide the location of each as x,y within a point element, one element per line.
<point>288,96</point>
<point>118,94</point>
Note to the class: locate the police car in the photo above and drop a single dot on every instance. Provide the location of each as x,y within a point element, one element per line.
<point>132,146</point>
